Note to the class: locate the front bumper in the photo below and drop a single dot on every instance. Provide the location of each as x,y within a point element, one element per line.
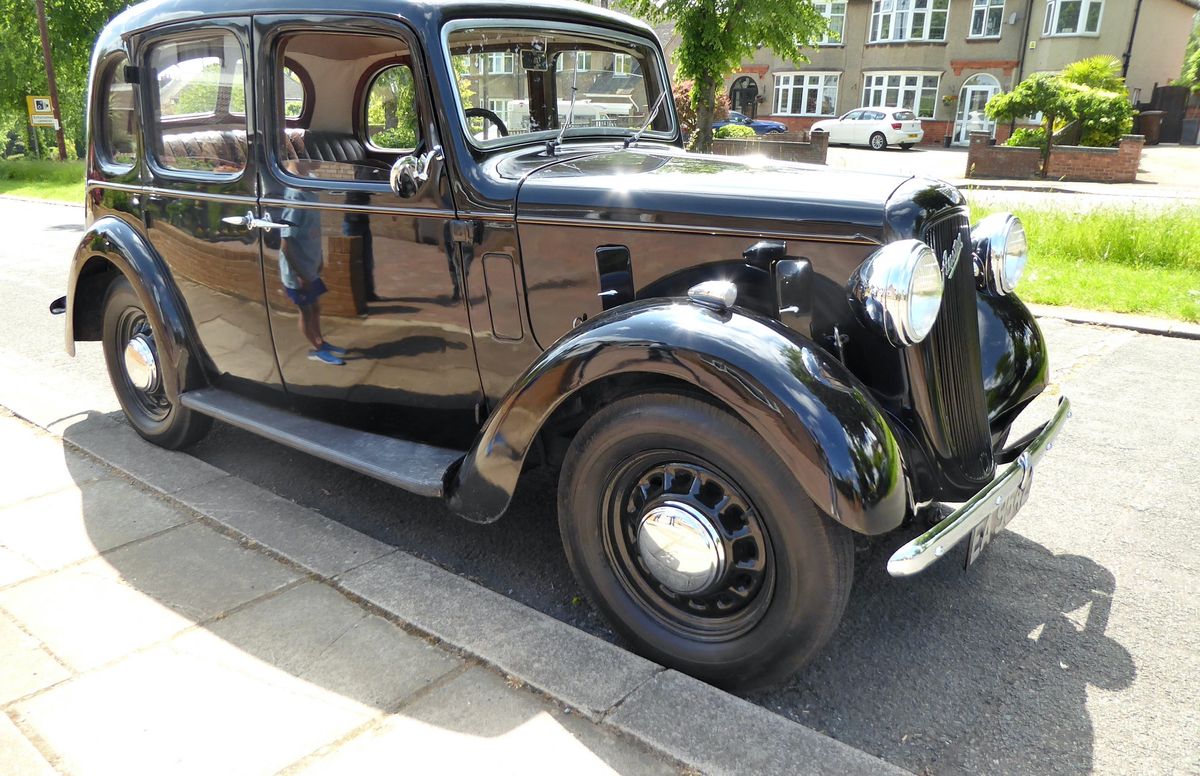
<point>932,545</point>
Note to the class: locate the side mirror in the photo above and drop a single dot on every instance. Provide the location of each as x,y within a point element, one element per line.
<point>410,173</point>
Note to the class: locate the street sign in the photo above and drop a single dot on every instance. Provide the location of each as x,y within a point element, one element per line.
<point>41,112</point>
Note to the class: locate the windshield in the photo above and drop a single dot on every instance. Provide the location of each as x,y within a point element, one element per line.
<point>515,83</point>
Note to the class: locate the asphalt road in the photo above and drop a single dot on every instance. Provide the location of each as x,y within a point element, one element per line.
<point>1073,646</point>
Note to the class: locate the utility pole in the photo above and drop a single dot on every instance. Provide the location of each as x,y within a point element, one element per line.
<point>41,13</point>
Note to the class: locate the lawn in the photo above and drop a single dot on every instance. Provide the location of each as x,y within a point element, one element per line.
<point>1132,260</point>
<point>62,181</point>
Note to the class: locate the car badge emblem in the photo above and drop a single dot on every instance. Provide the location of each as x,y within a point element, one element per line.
<point>950,257</point>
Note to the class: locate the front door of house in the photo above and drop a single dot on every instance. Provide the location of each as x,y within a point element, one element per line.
<point>971,115</point>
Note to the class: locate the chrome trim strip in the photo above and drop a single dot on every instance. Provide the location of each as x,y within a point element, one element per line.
<point>379,209</point>
<point>856,239</point>
<point>133,187</point>
<point>932,545</point>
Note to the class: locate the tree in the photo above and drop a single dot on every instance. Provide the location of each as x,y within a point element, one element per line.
<point>716,35</point>
<point>1042,93</point>
<point>73,26</point>
<point>1190,76</point>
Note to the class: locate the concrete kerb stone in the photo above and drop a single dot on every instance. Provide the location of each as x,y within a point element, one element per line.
<point>1144,324</point>
<point>608,684</point>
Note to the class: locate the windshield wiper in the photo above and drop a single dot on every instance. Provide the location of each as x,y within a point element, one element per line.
<point>636,136</point>
<point>562,130</point>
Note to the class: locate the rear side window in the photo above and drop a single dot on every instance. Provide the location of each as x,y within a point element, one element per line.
<point>199,121</point>
<point>118,121</point>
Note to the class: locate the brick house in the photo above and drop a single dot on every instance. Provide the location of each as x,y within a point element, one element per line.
<point>946,58</point>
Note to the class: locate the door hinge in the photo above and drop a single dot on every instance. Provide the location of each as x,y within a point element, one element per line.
<point>462,231</point>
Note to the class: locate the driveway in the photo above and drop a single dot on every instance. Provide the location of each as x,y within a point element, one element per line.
<point>1072,647</point>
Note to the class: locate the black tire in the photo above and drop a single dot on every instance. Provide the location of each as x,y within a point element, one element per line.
<point>906,146</point>
<point>769,625</point>
<point>878,142</point>
<point>151,412</point>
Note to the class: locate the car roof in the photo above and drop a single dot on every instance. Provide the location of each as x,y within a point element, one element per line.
<point>426,15</point>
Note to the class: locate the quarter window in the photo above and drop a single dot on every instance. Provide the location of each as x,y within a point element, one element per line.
<point>199,122</point>
<point>904,20</point>
<point>835,17</point>
<point>987,18</point>
<point>806,94</point>
<point>1073,17</point>
<point>392,110</point>
<point>118,121</point>
<point>915,91</point>
<point>293,94</point>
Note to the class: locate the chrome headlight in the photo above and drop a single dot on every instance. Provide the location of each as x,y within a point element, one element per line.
<point>898,291</point>
<point>1001,251</point>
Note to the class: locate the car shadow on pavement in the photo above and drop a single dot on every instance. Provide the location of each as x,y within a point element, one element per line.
<point>978,671</point>
<point>986,670</point>
<point>299,649</point>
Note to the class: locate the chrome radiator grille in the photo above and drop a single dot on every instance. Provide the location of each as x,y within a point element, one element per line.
<point>956,409</point>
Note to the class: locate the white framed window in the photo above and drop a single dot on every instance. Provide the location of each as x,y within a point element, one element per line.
<point>622,64</point>
<point>500,62</point>
<point>499,107</point>
<point>1073,17</point>
<point>987,19</point>
<point>895,21</point>
<point>806,94</point>
<point>915,91</point>
<point>835,16</point>
<point>583,61</point>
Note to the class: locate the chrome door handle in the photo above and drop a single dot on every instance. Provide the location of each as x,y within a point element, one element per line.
<point>250,221</point>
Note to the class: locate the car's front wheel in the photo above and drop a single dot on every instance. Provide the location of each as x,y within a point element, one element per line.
<point>693,538</point>
<point>878,142</point>
<point>132,355</point>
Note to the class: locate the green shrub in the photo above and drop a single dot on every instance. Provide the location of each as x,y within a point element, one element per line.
<point>1028,137</point>
<point>1105,116</point>
<point>733,131</point>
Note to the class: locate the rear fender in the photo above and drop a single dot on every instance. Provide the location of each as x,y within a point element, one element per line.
<point>804,404</point>
<point>116,244</point>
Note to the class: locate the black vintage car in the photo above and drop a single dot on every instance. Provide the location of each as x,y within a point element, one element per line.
<point>442,242</point>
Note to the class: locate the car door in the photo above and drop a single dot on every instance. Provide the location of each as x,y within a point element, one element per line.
<point>843,130</point>
<point>364,286</point>
<point>201,177</point>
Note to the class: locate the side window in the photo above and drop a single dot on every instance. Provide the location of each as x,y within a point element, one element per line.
<point>391,110</point>
<point>199,89</point>
<point>295,95</point>
<point>118,121</point>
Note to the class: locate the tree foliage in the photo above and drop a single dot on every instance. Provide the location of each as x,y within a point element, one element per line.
<point>73,26</point>
<point>1090,91</point>
<point>716,35</point>
<point>1191,63</point>
<point>686,109</point>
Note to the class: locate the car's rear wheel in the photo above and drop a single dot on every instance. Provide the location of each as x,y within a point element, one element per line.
<point>878,142</point>
<point>131,353</point>
<point>697,543</point>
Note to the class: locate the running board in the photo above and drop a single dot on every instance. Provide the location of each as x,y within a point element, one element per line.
<point>415,467</point>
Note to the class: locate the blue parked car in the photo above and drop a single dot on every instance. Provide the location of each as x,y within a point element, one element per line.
<point>759,126</point>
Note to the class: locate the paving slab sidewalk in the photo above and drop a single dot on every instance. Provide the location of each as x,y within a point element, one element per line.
<point>159,616</point>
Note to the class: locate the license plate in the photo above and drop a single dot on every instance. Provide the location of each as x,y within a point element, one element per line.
<point>1000,517</point>
<point>912,134</point>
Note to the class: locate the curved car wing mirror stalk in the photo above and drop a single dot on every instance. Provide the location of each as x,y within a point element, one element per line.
<point>410,173</point>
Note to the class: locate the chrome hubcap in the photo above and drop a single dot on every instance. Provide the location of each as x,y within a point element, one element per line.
<point>681,548</point>
<point>140,363</point>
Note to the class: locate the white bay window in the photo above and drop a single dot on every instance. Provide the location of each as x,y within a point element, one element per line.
<point>915,91</point>
<point>894,21</point>
<point>1073,17</point>
<point>806,94</point>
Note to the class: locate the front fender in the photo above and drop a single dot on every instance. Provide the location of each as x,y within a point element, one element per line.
<point>804,404</point>
<point>114,242</point>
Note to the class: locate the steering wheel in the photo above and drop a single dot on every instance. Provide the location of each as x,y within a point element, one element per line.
<point>484,113</point>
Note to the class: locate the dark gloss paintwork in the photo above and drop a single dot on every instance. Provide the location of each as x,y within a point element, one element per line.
<point>813,413</point>
<point>822,382</point>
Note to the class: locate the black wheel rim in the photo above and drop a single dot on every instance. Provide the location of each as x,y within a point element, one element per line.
<point>153,404</point>
<point>733,604</point>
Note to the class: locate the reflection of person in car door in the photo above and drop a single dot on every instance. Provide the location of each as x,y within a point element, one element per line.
<point>300,263</point>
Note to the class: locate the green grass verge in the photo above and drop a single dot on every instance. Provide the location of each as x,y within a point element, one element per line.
<point>1135,260</point>
<point>61,181</point>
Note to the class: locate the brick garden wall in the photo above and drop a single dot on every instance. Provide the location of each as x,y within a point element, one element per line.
<point>1073,163</point>
<point>785,148</point>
